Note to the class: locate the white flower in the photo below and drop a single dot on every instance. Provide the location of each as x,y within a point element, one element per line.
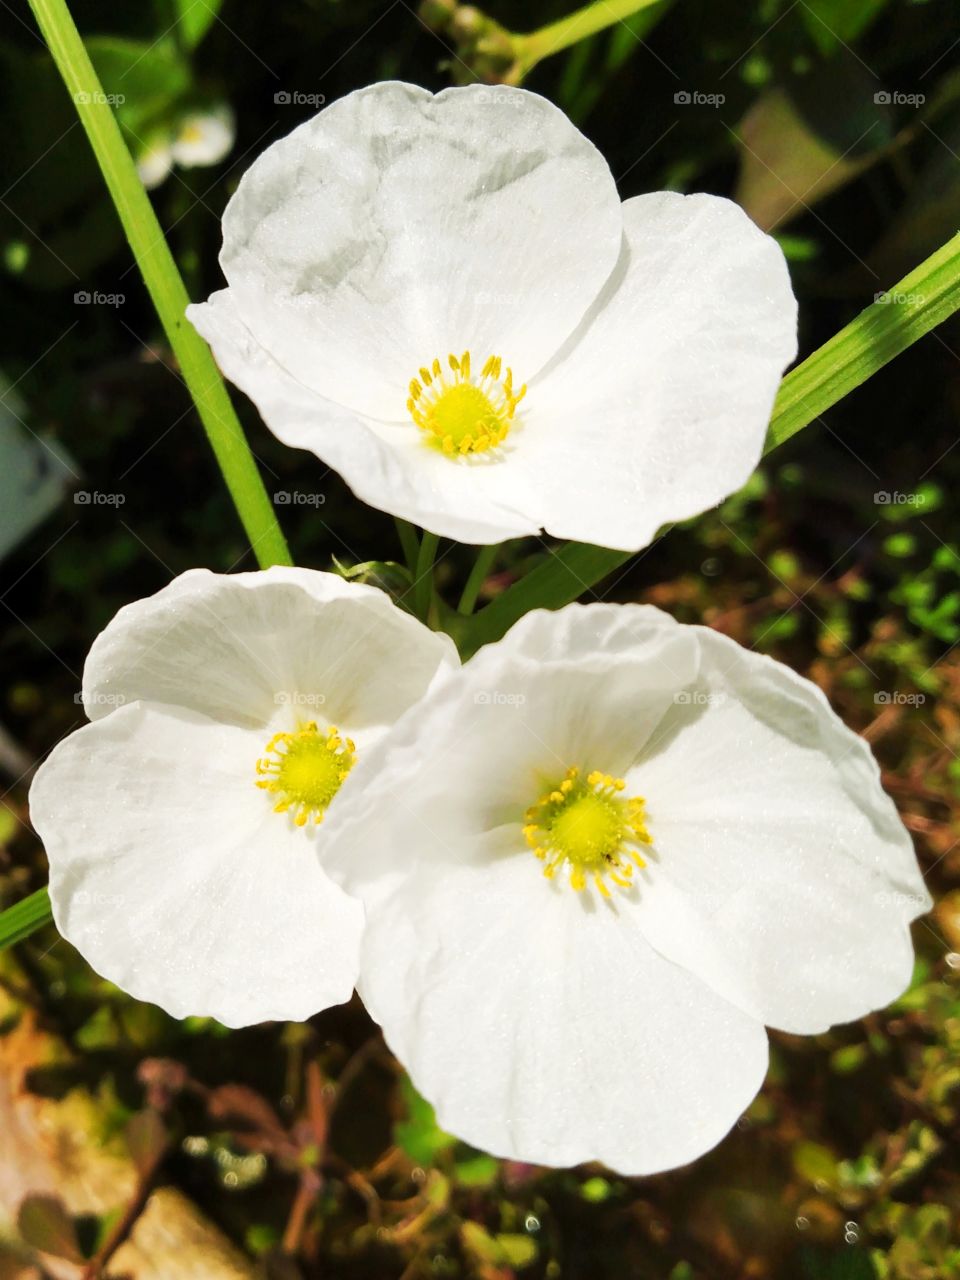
<point>186,859</point>
<point>443,298</point>
<point>204,137</point>
<point>596,862</point>
<point>200,139</point>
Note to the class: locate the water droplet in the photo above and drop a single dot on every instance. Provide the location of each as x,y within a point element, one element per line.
<point>531,1223</point>
<point>802,1223</point>
<point>418,1174</point>
<point>230,1179</point>
<point>711,567</point>
<point>851,1232</point>
<point>953,959</point>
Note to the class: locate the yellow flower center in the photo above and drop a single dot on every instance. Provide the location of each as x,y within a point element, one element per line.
<point>305,770</point>
<point>461,414</point>
<point>584,822</point>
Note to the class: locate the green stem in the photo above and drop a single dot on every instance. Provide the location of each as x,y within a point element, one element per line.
<point>423,575</point>
<point>24,918</point>
<point>409,542</point>
<point>576,26</point>
<point>478,575</point>
<point>922,300</point>
<point>163,281</point>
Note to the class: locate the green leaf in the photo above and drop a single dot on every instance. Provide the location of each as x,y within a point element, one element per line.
<point>140,78</point>
<point>900,545</point>
<point>516,1250</point>
<point>194,19</point>
<point>815,1163</point>
<point>419,1135</point>
<point>922,300</point>
<point>848,1059</point>
<point>476,1169</point>
<point>147,1140</point>
<point>24,918</point>
<point>806,138</point>
<point>45,1224</point>
<point>835,23</point>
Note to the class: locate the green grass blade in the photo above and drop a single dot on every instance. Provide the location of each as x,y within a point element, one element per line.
<point>925,298</point>
<point>24,918</point>
<point>164,283</point>
<point>921,301</point>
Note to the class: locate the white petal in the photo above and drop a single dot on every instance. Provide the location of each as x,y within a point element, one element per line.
<point>395,227</point>
<point>783,874</point>
<point>580,687</point>
<point>658,406</point>
<point>548,1033</point>
<point>173,878</point>
<point>479,500</point>
<point>250,648</point>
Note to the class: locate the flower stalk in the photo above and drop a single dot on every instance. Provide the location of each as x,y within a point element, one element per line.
<point>476,579</point>
<point>579,25</point>
<point>423,575</point>
<point>488,51</point>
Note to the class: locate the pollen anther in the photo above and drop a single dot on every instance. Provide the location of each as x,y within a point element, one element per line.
<point>460,414</point>
<point>304,770</point>
<point>584,822</point>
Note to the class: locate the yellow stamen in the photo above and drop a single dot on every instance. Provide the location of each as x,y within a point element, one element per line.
<point>584,823</point>
<point>305,770</point>
<point>462,415</point>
